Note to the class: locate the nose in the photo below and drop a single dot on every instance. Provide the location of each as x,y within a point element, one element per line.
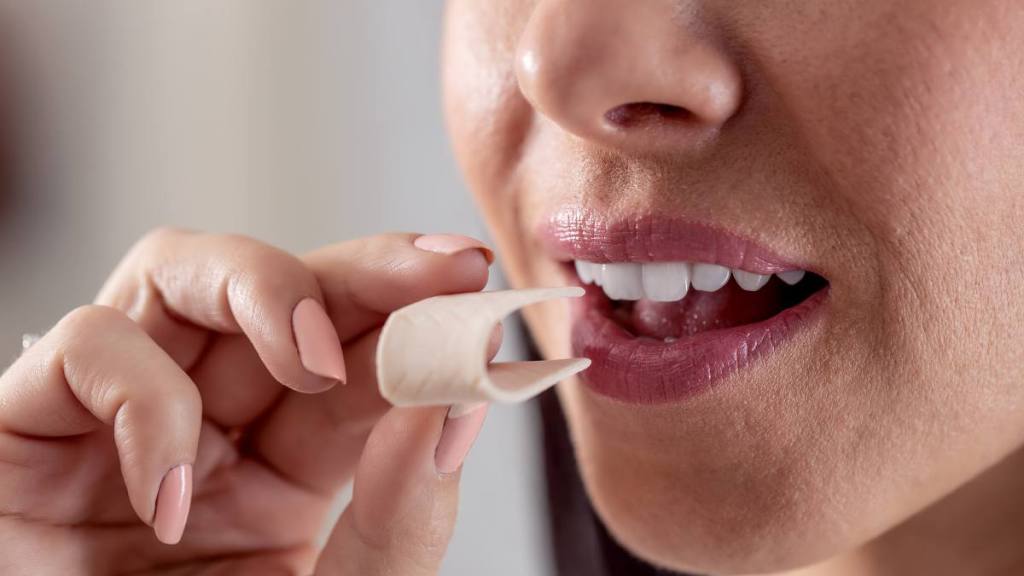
<point>631,74</point>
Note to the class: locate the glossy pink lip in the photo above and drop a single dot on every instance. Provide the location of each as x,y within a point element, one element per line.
<point>643,370</point>
<point>577,234</point>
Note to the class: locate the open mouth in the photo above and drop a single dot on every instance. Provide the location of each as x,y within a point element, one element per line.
<point>673,300</point>
<point>674,307</point>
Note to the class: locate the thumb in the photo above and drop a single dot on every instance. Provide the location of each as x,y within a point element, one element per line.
<point>405,496</point>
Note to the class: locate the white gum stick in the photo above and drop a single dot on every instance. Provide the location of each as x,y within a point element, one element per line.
<point>433,352</point>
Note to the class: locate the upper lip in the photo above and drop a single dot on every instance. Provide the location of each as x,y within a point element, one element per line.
<point>581,234</point>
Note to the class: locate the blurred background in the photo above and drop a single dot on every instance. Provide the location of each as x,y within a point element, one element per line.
<point>301,123</point>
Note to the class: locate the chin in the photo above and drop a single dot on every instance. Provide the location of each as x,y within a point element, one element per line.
<point>705,492</point>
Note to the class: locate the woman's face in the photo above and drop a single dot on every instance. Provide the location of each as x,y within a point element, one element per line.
<point>875,144</point>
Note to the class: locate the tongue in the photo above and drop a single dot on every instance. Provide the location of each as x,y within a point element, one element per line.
<point>700,311</point>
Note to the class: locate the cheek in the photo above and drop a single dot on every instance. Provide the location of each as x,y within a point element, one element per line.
<point>913,114</point>
<point>488,119</point>
<point>929,163</point>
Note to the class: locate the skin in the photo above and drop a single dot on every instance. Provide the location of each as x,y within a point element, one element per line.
<point>188,357</point>
<point>876,143</point>
<point>873,142</point>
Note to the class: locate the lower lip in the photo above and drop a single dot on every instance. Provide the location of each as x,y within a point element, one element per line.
<point>648,371</point>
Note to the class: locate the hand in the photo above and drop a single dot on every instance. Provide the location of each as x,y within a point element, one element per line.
<point>204,377</point>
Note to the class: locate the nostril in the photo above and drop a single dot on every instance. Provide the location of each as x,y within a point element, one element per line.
<point>647,114</point>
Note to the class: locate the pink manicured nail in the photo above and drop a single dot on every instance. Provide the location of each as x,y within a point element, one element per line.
<point>457,438</point>
<point>317,340</point>
<point>172,504</point>
<point>453,244</point>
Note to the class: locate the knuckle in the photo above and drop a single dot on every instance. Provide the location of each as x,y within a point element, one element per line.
<point>149,248</point>
<point>368,538</point>
<point>122,287</point>
<point>82,333</point>
<point>93,318</point>
<point>266,272</point>
<point>80,347</point>
<point>184,400</point>
<point>252,253</point>
<point>422,545</point>
<point>157,237</point>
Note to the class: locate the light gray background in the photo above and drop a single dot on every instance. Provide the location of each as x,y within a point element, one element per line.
<point>301,123</point>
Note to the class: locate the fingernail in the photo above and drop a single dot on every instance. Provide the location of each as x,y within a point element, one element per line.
<point>457,437</point>
<point>317,340</point>
<point>453,244</point>
<point>172,504</point>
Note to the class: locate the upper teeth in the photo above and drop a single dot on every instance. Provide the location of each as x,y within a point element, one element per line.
<point>670,281</point>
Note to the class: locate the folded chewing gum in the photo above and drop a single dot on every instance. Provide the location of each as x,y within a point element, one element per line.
<point>433,352</point>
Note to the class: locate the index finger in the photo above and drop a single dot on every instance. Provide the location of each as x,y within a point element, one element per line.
<point>369,278</point>
<point>180,286</point>
<point>359,282</point>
